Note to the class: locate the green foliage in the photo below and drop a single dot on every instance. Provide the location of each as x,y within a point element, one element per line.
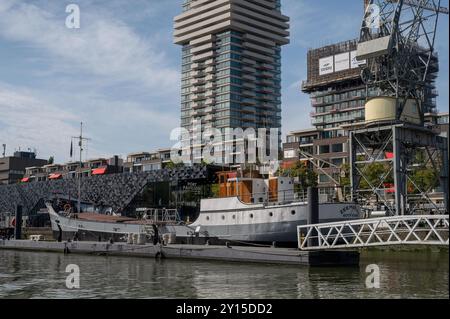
<point>172,165</point>
<point>425,179</point>
<point>306,176</point>
<point>345,175</point>
<point>375,173</point>
<point>51,160</point>
<point>215,189</point>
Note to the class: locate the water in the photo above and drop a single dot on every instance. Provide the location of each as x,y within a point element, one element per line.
<point>42,275</point>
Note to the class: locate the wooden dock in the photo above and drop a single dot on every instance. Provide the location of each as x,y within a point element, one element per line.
<point>246,254</point>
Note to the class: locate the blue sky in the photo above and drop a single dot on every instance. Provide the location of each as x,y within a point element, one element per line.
<point>120,72</point>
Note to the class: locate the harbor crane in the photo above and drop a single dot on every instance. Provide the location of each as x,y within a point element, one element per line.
<point>397,48</point>
<point>399,65</point>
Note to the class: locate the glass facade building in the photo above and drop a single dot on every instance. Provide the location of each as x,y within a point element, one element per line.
<point>231,63</point>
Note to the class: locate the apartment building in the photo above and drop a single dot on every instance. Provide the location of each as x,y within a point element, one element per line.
<point>231,64</point>
<point>12,168</point>
<point>146,161</point>
<point>92,167</point>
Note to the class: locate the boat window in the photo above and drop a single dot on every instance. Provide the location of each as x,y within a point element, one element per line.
<point>271,214</point>
<point>234,216</point>
<point>207,217</point>
<point>251,215</point>
<point>293,212</point>
<point>223,217</point>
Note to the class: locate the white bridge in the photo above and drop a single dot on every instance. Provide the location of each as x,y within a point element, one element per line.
<point>385,231</point>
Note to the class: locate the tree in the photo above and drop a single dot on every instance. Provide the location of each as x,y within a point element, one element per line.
<point>306,176</point>
<point>375,174</point>
<point>425,179</point>
<point>51,160</point>
<point>172,165</point>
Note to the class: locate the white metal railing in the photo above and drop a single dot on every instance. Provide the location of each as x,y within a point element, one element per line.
<point>162,215</point>
<point>384,231</point>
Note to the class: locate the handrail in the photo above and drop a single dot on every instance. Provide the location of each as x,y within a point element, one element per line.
<point>382,231</point>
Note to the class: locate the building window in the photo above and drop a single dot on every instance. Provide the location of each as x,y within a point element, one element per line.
<point>337,161</point>
<point>324,149</point>
<point>337,148</point>
<point>323,178</point>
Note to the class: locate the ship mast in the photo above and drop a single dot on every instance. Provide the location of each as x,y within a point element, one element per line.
<point>80,164</point>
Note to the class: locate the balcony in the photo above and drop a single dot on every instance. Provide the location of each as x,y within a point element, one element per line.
<point>267,82</point>
<point>248,61</point>
<point>248,109</point>
<point>210,94</point>
<point>248,117</point>
<point>198,81</point>
<point>210,85</point>
<point>267,105</point>
<point>197,89</point>
<point>317,120</point>
<point>266,97</point>
<point>249,85</point>
<point>209,109</point>
<point>266,89</point>
<point>210,69</point>
<point>210,101</point>
<point>248,93</point>
<point>266,74</point>
<point>248,69</point>
<point>267,66</point>
<point>249,77</point>
<point>197,106</point>
<point>198,97</point>
<point>247,101</point>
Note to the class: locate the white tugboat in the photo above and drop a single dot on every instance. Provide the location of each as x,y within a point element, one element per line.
<point>261,211</point>
<point>248,210</point>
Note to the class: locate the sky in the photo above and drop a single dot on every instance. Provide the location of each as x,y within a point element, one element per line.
<point>119,73</point>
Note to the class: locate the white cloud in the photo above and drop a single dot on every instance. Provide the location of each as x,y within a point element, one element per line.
<point>28,122</point>
<point>102,47</point>
<point>118,82</point>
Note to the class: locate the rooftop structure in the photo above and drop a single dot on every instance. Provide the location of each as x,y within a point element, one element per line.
<point>12,168</point>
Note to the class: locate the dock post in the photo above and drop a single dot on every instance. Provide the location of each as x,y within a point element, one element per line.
<point>313,213</point>
<point>18,226</point>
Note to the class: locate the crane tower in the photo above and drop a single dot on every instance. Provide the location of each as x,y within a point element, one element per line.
<point>399,65</point>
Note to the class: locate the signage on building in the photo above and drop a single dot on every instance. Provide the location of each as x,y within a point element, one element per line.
<point>353,62</point>
<point>326,65</point>
<point>339,62</point>
<point>342,62</point>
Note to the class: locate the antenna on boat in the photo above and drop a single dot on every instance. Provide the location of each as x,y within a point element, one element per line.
<point>80,144</point>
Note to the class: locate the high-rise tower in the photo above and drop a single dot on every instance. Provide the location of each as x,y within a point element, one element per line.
<point>231,69</point>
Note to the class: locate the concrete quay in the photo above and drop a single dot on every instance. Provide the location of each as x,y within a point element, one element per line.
<point>245,254</point>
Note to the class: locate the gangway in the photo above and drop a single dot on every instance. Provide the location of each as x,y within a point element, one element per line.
<point>384,231</point>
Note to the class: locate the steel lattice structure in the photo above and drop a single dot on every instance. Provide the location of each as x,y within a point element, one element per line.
<point>397,42</point>
<point>385,231</point>
<point>397,52</point>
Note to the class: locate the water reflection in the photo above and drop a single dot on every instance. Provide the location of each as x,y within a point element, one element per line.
<point>42,275</point>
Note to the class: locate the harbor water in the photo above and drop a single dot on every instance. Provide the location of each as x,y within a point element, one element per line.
<point>418,274</point>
